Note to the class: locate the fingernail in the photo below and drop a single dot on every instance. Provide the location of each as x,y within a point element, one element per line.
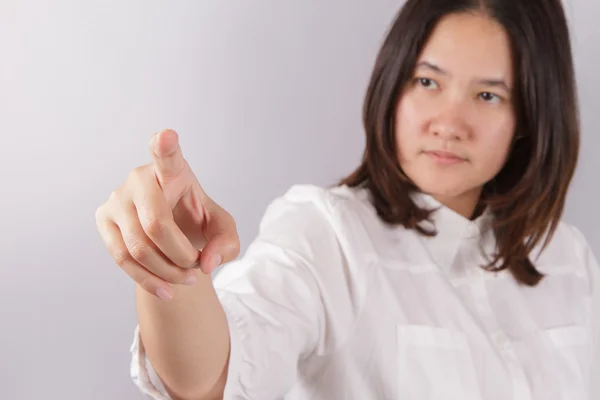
<point>190,280</point>
<point>214,262</point>
<point>163,294</point>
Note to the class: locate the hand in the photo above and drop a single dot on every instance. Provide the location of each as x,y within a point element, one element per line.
<point>159,226</point>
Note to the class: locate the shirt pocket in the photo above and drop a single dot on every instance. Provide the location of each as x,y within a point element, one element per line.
<point>573,344</point>
<point>434,363</point>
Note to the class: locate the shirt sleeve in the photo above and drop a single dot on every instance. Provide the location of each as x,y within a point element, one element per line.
<point>593,272</point>
<point>273,300</point>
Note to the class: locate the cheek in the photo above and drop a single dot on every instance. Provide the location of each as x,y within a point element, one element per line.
<point>409,120</point>
<point>495,144</point>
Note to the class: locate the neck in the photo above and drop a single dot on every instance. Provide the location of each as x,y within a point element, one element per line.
<point>464,204</point>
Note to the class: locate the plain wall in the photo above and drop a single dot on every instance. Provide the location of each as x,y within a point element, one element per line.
<point>264,94</point>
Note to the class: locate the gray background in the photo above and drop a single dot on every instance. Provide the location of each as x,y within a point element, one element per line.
<point>264,94</point>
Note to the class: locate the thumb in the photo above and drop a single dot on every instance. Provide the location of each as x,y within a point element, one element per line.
<point>167,157</point>
<point>223,243</point>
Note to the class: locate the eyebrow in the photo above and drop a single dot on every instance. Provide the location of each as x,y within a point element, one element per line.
<point>501,83</point>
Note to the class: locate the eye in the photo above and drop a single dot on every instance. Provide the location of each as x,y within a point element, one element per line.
<point>490,97</point>
<point>427,83</point>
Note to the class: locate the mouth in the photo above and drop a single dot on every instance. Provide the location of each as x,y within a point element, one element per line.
<point>445,157</point>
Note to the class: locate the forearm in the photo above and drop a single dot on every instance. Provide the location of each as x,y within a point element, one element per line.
<point>187,338</point>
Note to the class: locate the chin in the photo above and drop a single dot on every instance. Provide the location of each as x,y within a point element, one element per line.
<point>444,192</point>
<point>442,187</point>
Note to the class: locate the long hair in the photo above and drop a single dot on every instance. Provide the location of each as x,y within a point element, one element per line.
<point>527,196</point>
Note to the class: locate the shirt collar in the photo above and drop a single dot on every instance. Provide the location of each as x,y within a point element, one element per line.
<point>452,229</point>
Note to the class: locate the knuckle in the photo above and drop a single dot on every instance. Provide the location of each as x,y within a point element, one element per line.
<point>155,227</point>
<point>234,246</point>
<point>136,174</point>
<point>114,196</point>
<point>139,250</point>
<point>235,238</point>
<point>121,256</point>
<point>117,197</point>
<point>228,219</point>
<point>232,222</point>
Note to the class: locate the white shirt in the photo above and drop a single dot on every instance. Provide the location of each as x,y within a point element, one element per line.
<point>331,303</point>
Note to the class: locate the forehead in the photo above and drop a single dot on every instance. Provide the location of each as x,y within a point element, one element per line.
<point>470,45</point>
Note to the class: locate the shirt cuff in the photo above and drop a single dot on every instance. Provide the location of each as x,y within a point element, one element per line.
<point>233,388</point>
<point>142,373</point>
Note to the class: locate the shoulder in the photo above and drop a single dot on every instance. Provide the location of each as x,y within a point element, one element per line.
<point>324,197</point>
<point>567,251</point>
<point>568,237</point>
<point>310,207</point>
<point>309,219</point>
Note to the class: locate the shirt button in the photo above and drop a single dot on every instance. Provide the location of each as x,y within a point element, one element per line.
<point>472,230</point>
<point>501,341</point>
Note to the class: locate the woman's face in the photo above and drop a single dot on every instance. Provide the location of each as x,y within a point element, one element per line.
<point>455,121</point>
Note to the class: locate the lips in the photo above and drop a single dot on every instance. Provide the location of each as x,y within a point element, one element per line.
<point>445,154</point>
<point>445,157</point>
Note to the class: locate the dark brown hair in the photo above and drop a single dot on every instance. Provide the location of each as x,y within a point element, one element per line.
<point>527,196</point>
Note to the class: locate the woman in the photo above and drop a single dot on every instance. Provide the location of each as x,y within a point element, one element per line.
<point>439,269</point>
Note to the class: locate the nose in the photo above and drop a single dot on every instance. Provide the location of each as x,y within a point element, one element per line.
<point>450,124</point>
